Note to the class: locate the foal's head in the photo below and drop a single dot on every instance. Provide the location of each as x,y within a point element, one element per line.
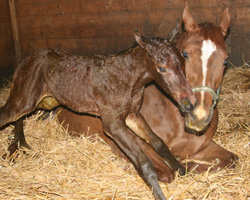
<point>165,69</point>
<point>204,50</point>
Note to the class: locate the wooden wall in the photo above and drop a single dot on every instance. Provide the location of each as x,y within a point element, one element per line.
<point>7,50</point>
<point>88,27</point>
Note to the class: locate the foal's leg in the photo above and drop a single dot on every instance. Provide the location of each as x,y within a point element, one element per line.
<point>24,97</point>
<point>15,108</point>
<point>125,140</point>
<point>164,172</point>
<point>137,123</point>
<point>19,138</point>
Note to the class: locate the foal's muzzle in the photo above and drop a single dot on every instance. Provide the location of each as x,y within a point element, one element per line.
<point>186,105</point>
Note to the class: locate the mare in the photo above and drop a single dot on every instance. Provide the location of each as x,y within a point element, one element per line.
<point>204,50</point>
<point>111,87</point>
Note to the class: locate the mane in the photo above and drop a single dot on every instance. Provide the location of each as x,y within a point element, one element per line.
<point>212,32</point>
<point>156,41</point>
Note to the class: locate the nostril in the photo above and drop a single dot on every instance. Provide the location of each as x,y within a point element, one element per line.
<point>187,104</point>
<point>196,102</point>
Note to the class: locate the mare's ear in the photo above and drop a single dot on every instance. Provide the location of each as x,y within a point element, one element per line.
<point>225,21</point>
<point>188,20</point>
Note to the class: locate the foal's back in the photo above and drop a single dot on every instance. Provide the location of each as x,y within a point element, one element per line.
<point>85,83</point>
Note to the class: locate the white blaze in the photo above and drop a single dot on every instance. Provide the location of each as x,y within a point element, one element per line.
<point>207,49</point>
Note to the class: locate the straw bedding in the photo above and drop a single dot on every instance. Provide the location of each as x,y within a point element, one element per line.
<point>62,167</point>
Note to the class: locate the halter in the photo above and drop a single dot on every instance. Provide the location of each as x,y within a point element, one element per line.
<point>210,90</point>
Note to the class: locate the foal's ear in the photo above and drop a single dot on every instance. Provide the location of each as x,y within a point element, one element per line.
<point>188,20</point>
<point>175,31</point>
<point>225,21</point>
<point>138,38</point>
<point>142,41</point>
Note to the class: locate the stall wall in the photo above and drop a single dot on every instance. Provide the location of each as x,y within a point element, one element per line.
<point>88,27</point>
<point>7,50</point>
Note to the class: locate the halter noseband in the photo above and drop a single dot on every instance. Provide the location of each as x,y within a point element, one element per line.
<point>210,90</point>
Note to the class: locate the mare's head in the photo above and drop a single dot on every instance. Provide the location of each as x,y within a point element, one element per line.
<point>165,69</point>
<point>205,53</point>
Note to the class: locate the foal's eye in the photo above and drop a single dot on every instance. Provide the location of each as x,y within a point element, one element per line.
<point>184,54</point>
<point>162,69</point>
<point>226,61</point>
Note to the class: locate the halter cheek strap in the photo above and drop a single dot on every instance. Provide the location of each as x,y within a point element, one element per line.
<point>210,90</point>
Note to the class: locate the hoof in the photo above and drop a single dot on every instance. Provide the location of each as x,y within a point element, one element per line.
<point>165,177</point>
<point>12,149</point>
<point>165,174</point>
<point>182,171</point>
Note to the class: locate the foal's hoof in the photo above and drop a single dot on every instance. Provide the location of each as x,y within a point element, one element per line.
<point>165,177</point>
<point>182,171</point>
<point>14,151</point>
<point>165,174</point>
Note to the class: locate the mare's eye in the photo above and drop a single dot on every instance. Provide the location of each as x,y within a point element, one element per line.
<point>184,54</point>
<point>226,61</point>
<point>162,69</point>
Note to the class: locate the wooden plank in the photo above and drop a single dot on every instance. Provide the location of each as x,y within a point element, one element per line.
<point>15,30</point>
<point>7,53</point>
<point>100,26</point>
<point>7,61</point>
<point>67,6</point>
<point>4,12</point>
<point>5,31</point>
<point>84,46</point>
<point>6,49</point>
<point>90,6</point>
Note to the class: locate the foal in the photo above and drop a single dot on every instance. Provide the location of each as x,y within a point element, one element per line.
<point>111,87</point>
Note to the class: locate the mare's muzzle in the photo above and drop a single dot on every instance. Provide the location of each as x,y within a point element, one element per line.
<point>200,117</point>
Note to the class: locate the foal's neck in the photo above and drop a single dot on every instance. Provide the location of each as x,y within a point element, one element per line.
<point>141,67</point>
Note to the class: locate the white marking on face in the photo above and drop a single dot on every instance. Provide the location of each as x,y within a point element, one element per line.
<point>207,49</point>
<point>200,112</point>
